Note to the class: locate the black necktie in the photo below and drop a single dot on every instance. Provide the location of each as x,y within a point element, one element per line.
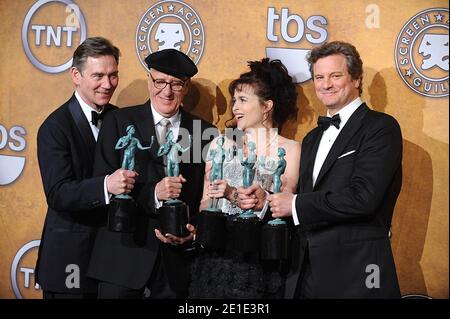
<point>324,122</point>
<point>97,117</point>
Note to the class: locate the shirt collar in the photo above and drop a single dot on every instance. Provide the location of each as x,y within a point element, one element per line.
<point>87,110</point>
<point>175,119</point>
<point>347,111</point>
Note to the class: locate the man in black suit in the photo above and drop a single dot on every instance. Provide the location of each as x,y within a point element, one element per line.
<point>350,177</point>
<point>127,263</point>
<point>66,143</point>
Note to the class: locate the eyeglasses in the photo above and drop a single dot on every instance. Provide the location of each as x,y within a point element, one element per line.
<point>160,84</point>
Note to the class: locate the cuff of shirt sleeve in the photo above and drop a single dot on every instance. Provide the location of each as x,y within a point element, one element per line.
<point>105,191</point>
<point>158,203</point>
<point>294,211</point>
<point>263,211</point>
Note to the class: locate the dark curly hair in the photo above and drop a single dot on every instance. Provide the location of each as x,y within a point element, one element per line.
<point>270,81</point>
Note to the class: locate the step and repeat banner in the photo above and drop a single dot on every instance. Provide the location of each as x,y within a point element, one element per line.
<point>404,46</point>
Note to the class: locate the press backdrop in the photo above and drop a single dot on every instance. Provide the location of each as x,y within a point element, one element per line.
<point>404,46</point>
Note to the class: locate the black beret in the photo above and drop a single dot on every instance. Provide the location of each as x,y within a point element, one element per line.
<point>172,62</point>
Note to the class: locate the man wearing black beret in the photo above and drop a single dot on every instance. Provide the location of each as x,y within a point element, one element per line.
<point>127,263</point>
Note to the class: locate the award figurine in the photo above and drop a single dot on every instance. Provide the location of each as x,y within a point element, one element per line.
<point>174,214</point>
<point>249,173</point>
<point>122,209</point>
<point>211,225</point>
<point>246,228</point>
<point>275,234</point>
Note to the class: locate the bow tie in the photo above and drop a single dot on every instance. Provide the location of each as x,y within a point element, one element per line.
<point>97,117</point>
<point>324,122</point>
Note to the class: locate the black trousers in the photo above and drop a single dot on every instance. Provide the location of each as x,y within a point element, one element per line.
<point>157,284</point>
<point>57,295</point>
<point>305,286</point>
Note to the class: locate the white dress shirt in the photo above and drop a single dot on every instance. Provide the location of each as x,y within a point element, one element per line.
<point>326,142</point>
<point>174,121</point>
<point>87,110</point>
<point>174,127</point>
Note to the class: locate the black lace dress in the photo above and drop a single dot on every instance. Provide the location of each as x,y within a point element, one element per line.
<point>231,274</point>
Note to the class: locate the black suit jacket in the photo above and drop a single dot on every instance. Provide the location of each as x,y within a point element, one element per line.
<point>345,218</point>
<point>65,147</point>
<point>128,259</point>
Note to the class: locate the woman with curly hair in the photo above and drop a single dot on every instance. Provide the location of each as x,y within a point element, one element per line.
<point>263,99</point>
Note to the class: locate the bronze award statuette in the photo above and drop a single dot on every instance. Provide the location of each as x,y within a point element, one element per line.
<point>275,234</point>
<point>211,222</point>
<point>122,208</point>
<point>247,226</point>
<point>174,213</point>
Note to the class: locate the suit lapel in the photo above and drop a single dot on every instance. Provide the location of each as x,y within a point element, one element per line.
<point>186,123</point>
<point>82,125</point>
<point>146,128</point>
<point>344,137</point>
<point>310,152</point>
<point>145,125</point>
<point>108,107</point>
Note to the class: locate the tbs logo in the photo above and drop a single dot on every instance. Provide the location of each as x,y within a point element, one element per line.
<point>11,166</point>
<point>313,30</point>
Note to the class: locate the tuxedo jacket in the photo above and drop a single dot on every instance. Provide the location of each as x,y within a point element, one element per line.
<point>127,259</point>
<point>346,216</point>
<point>65,149</point>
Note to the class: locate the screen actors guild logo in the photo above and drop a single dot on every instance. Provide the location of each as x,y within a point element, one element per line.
<point>170,25</point>
<point>434,49</point>
<point>421,53</point>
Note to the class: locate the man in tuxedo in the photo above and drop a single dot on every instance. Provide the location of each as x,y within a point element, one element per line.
<point>127,263</point>
<point>65,146</point>
<point>350,178</point>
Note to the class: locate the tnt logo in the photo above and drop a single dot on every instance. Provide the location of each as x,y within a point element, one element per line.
<point>22,272</point>
<point>11,166</point>
<point>292,29</point>
<point>50,32</point>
